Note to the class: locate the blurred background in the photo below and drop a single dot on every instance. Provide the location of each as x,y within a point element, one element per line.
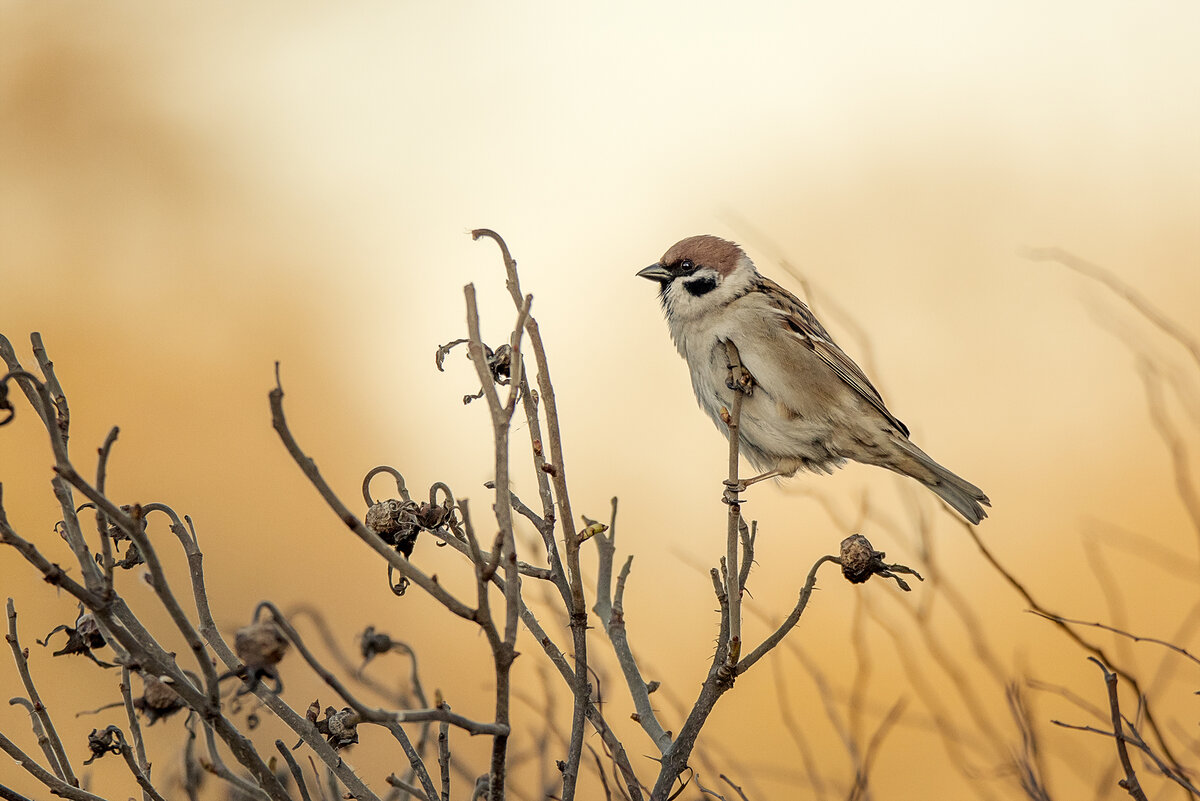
<point>190,192</point>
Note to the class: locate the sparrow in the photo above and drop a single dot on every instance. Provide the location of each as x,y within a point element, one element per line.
<point>810,406</point>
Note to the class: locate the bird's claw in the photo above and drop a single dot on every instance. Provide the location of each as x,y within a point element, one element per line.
<point>740,380</point>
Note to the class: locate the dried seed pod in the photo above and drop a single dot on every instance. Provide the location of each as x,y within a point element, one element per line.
<point>500,363</point>
<point>396,523</point>
<point>431,516</point>
<point>133,510</point>
<point>860,561</point>
<point>133,557</point>
<point>260,645</point>
<point>858,558</point>
<point>103,741</point>
<point>159,699</point>
<point>89,630</point>
<point>340,727</point>
<point>386,517</point>
<point>81,639</point>
<point>373,643</point>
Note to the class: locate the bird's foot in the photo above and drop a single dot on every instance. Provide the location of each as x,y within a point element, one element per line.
<point>740,380</point>
<point>732,490</point>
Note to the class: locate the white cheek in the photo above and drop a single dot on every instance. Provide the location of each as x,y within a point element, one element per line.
<point>683,305</point>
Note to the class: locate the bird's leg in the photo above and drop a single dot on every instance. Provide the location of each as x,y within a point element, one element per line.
<point>740,486</point>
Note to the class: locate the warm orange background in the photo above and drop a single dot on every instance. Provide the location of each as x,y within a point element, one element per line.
<point>188,194</point>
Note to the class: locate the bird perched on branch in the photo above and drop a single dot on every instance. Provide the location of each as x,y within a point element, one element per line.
<point>809,405</point>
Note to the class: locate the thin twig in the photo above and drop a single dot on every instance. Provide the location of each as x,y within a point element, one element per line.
<point>39,732</point>
<point>400,784</point>
<point>135,728</point>
<point>1130,782</point>
<point>1122,290</point>
<point>57,786</point>
<point>143,779</point>
<point>790,621</point>
<point>736,788</point>
<point>861,778</point>
<point>443,749</point>
<point>1177,448</point>
<point>11,795</point>
<point>216,765</point>
<point>39,396</point>
<point>401,565</point>
<point>388,719</point>
<point>719,680</point>
<point>1105,627</point>
<point>1091,648</point>
<point>63,766</point>
<point>1135,738</point>
<point>101,522</point>
<point>612,614</point>
<point>577,608</point>
<point>294,767</point>
<point>212,634</point>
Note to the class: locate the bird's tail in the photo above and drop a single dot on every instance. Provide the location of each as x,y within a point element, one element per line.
<point>962,496</point>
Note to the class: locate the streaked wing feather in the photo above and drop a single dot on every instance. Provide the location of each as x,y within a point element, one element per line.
<point>800,321</point>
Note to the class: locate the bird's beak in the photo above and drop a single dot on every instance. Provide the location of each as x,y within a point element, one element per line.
<point>656,272</point>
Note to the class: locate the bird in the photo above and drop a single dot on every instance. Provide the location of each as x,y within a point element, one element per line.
<point>809,406</point>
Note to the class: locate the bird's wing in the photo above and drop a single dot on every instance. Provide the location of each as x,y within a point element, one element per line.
<point>796,317</point>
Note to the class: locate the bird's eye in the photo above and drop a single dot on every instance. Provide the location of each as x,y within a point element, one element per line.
<point>686,266</point>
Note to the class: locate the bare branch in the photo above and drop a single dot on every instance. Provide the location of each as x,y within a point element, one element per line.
<point>51,572</point>
<point>143,779</point>
<point>218,768</point>
<point>385,718</point>
<point>60,762</point>
<point>11,795</point>
<point>1181,462</point>
<point>443,749</point>
<point>135,728</point>
<point>39,732</point>
<point>1091,648</point>
<point>1122,290</point>
<point>1130,782</point>
<point>611,612</point>
<point>101,521</point>
<point>581,689</point>
<point>859,790</point>
<point>55,421</point>
<point>132,525</point>
<point>736,789</point>
<point>394,559</point>
<point>1105,627</point>
<point>208,627</point>
<point>57,786</point>
<point>790,621</point>
<point>294,767</point>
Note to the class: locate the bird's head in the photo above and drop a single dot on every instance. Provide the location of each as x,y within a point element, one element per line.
<point>699,275</point>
